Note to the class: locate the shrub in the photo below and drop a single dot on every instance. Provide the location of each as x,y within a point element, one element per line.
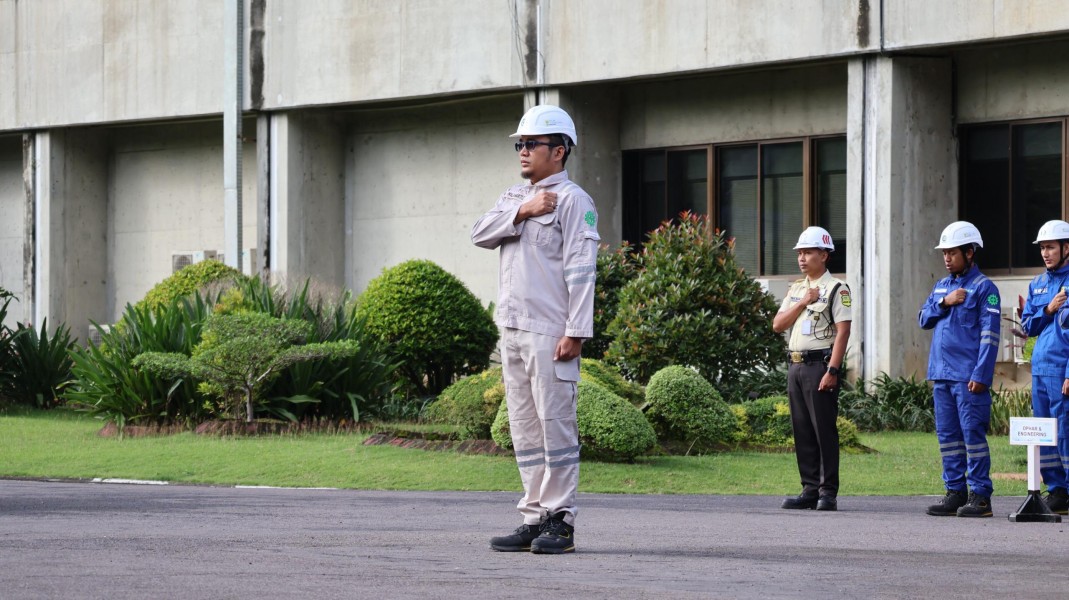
<point>769,423</point>
<point>187,281</point>
<point>614,269</point>
<point>691,304</point>
<point>1006,404</point>
<point>471,403</point>
<point>610,428</point>
<point>611,379</point>
<point>432,321</point>
<point>894,405</point>
<point>759,383</point>
<point>39,365</point>
<point>684,407</point>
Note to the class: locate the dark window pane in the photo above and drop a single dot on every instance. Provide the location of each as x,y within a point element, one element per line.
<point>687,182</point>
<point>653,204</point>
<point>1037,186</point>
<point>737,166</point>
<point>782,206</point>
<point>986,192</point>
<point>830,191</point>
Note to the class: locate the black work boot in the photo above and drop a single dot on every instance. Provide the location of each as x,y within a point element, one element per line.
<point>827,502</point>
<point>948,506</point>
<point>1058,501</point>
<point>518,541</point>
<point>977,506</point>
<point>557,536</point>
<point>803,501</point>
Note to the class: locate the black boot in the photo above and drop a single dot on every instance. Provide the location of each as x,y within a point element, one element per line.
<point>977,506</point>
<point>1057,501</point>
<point>518,541</point>
<point>827,502</point>
<point>803,501</point>
<point>949,505</point>
<point>557,536</point>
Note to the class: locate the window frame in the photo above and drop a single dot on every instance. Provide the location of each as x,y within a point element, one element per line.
<point>963,133</point>
<point>712,155</point>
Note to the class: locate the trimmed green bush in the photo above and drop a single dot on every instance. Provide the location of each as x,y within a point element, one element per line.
<point>433,323</point>
<point>691,304</point>
<point>471,404</point>
<point>683,407</point>
<point>610,377</point>
<point>610,428</point>
<point>187,281</point>
<point>614,269</point>
<point>768,421</point>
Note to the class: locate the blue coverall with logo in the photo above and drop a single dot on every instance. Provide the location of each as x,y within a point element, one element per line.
<point>1050,367</point>
<point>965,345</point>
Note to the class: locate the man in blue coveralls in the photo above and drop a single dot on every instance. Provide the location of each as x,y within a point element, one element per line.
<point>964,311</point>
<point>1050,356</point>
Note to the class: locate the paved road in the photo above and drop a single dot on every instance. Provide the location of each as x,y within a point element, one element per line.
<point>85,540</point>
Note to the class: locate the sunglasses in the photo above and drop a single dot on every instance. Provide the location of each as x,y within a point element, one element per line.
<point>532,144</point>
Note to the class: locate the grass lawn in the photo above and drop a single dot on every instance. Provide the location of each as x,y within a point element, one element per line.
<point>64,444</point>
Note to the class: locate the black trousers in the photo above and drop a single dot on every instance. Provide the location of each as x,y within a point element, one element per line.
<point>816,437</point>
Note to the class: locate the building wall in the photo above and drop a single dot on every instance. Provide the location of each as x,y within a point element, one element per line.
<point>1020,81</point>
<point>12,223</point>
<point>165,194</point>
<point>919,23</point>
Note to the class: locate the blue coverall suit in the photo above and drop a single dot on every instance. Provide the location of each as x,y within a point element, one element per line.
<point>965,345</point>
<point>1050,367</point>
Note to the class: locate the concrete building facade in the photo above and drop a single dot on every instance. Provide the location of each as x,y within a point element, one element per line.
<point>376,131</point>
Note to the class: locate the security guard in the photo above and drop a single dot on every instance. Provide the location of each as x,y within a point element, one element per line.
<point>963,309</point>
<point>1050,356</point>
<point>547,233</point>
<point>817,312</point>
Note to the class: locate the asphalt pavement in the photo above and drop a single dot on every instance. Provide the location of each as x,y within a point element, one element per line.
<point>102,540</point>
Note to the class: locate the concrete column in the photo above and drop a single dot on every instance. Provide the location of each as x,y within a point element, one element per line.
<point>901,133</point>
<point>307,198</point>
<point>70,237</point>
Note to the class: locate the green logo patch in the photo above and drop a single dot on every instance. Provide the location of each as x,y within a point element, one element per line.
<point>992,299</point>
<point>590,218</point>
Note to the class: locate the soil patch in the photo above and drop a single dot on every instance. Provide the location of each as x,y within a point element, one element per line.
<point>420,441</point>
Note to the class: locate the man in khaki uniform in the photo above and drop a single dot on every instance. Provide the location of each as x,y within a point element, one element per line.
<point>549,242</point>
<point>817,313</point>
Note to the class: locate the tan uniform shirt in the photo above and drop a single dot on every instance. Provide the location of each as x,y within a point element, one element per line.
<point>813,329</point>
<point>548,263</point>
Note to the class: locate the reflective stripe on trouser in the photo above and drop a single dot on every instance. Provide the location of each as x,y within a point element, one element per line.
<point>816,437</point>
<point>1048,402</point>
<point>961,420</point>
<point>541,394</point>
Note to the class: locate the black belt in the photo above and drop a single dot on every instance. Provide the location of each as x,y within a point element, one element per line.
<point>808,356</point>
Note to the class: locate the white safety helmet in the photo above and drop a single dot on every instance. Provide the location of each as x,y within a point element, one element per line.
<point>1053,231</point>
<point>546,119</point>
<point>959,233</point>
<point>815,237</point>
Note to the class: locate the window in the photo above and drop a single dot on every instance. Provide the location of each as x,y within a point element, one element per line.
<point>762,194</point>
<point>1013,179</point>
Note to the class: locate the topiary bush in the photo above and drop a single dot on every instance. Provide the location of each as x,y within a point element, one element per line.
<point>691,304</point>
<point>610,428</point>
<point>471,404</point>
<point>431,321</point>
<point>187,281</point>
<point>683,407</point>
<point>614,269</point>
<point>610,378</point>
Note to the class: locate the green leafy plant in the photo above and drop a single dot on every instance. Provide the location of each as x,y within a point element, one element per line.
<point>187,281</point>
<point>683,407</point>
<point>691,304</point>
<point>610,378</point>
<point>7,339</point>
<point>39,365</point>
<point>431,321</point>
<point>471,404</point>
<point>610,428</point>
<point>759,383</point>
<point>1006,404</point>
<point>768,424</point>
<point>615,267</point>
<point>896,404</point>
<point>239,354</point>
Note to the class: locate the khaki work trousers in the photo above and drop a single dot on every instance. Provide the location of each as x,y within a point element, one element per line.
<point>541,394</point>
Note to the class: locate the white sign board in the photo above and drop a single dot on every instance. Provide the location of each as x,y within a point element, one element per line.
<point>1025,431</point>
